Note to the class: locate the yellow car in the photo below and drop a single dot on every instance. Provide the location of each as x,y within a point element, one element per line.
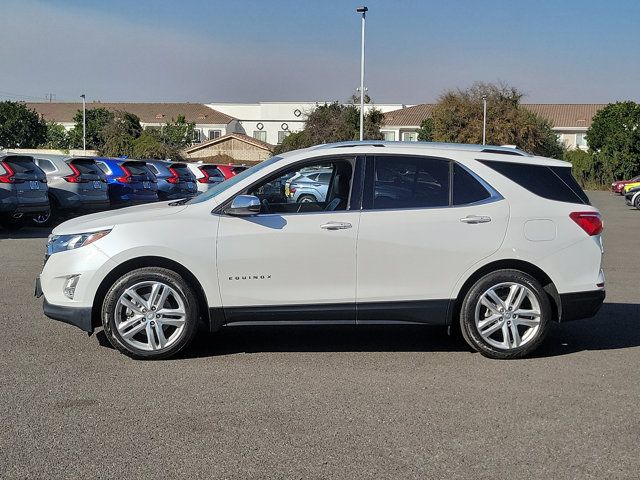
<point>629,186</point>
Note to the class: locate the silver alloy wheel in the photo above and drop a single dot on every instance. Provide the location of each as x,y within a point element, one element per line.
<point>508,315</point>
<point>307,199</point>
<point>42,218</point>
<point>150,315</point>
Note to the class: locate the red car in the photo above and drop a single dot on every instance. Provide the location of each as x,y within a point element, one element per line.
<point>619,185</point>
<point>230,170</point>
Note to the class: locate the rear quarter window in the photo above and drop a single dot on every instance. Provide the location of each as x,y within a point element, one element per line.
<point>552,183</point>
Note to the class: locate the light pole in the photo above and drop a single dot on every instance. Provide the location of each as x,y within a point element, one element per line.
<point>484,119</point>
<point>363,10</point>
<point>84,124</point>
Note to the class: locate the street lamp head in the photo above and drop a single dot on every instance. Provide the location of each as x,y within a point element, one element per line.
<point>362,9</point>
<point>82,96</point>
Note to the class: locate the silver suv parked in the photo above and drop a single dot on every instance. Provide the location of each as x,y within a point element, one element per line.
<point>23,190</point>
<point>76,186</point>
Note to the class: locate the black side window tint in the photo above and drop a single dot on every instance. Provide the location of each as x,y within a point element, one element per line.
<point>103,167</point>
<point>46,165</point>
<point>466,189</point>
<point>410,182</point>
<point>552,183</point>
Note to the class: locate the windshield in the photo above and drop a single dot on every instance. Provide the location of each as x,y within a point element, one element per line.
<point>221,187</point>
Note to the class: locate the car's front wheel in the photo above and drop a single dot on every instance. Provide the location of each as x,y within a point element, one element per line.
<point>505,314</point>
<point>636,202</point>
<point>150,313</point>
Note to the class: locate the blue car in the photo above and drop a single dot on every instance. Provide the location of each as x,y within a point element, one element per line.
<point>130,182</point>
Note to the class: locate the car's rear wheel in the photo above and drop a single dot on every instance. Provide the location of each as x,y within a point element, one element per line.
<point>307,199</point>
<point>150,313</point>
<point>636,202</point>
<point>505,314</point>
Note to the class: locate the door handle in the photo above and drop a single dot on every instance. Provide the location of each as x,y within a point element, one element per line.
<point>335,225</point>
<point>473,219</point>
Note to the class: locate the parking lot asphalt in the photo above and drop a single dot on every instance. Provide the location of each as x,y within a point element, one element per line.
<point>323,402</point>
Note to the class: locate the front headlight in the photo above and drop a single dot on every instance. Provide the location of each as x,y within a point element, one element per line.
<point>60,243</point>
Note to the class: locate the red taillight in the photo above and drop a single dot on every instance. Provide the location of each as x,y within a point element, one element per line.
<point>75,176</point>
<point>7,177</point>
<point>590,222</point>
<point>174,178</point>
<point>206,177</point>
<point>292,190</point>
<point>126,178</point>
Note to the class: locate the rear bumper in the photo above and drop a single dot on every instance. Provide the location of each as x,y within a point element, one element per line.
<point>580,305</point>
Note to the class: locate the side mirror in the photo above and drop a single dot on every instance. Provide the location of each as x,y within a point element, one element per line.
<point>244,206</point>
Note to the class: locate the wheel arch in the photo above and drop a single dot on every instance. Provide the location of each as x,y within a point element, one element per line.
<point>514,264</point>
<point>148,261</point>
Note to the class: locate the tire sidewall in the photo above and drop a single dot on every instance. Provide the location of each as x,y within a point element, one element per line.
<point>467,313</point>
<point>141,275</point>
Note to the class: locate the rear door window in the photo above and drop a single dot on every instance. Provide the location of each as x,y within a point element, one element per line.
<point>407,182</point>
<point>552,183</point>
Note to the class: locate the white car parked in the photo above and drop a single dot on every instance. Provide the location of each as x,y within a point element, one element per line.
<point>490,238</point>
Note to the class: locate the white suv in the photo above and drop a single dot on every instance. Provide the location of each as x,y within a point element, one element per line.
<point>491,239</point>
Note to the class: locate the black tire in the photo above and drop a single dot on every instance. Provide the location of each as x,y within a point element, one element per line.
<point>636,202</point>
<point>468,311</point>
<point>11,224</point>
<point>153,274</point>
<point>306,199</point>
<point>51,220</point>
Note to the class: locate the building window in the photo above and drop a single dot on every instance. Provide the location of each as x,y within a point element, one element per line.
<point>409,136</point>
<point>282,134</point>
<point>581,140</point>
<point>214,134</point>
<point>260,135</point>
<point>197,135</point>
<point>389,136</point>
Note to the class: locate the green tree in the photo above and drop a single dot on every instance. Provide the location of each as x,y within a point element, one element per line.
<point>117,137</point>
<point>57,137</point>
<point>150,145</point>
<point>96,119</point>
<point>20,127</point>
<point>334,122</point>
<point>425,133</point>
<point>458,118</point>
<point>614,137</point>
<point>178,133</point>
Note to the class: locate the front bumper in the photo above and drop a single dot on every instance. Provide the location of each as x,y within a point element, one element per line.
<point>77,316</point>
<point>581,305</point>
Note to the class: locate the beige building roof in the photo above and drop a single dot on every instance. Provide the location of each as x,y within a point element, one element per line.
<point>63,112</point>
<point>237,136</point>
<point>561,115</point>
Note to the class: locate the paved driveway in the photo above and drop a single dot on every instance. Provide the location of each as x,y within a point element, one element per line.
<point>323,402</point>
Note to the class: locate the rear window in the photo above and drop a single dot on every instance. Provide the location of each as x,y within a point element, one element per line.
<point>85,166</point>
<point>46,165</point>
<point>103,166</point>
<point>20,164</point>
<point>137,168</point>
<point>182,170</point>
<point>552,183</point>
<point>213,171</point>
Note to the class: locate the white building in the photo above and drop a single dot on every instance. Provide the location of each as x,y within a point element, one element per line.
<point>271,122</point>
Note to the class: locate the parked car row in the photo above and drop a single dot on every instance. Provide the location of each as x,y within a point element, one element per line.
<point>630,189</point>
<point>47,188</point>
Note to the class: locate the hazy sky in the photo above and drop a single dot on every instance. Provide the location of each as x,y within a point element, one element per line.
<point>234,50</point>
